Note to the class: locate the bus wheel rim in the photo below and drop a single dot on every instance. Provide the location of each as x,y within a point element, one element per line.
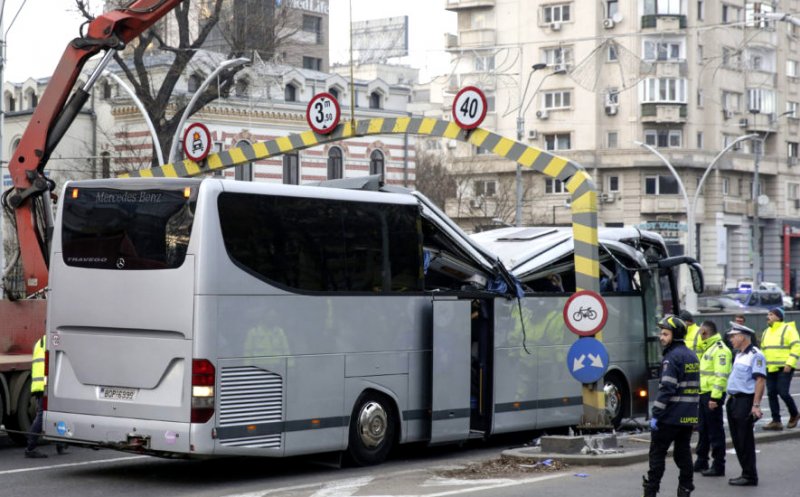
<point>613,399</point>
<point>372,424</point>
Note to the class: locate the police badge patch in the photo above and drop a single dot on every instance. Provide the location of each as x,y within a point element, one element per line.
<point>722,360</point>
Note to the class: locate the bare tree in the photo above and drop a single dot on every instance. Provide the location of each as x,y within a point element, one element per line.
<point>433,179</point>
<point>192,24</point>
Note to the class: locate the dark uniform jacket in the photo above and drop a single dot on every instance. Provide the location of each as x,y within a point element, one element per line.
<point>679,387</point>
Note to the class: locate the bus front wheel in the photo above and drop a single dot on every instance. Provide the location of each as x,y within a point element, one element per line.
<point>373,428</point>
<point>616,395</point>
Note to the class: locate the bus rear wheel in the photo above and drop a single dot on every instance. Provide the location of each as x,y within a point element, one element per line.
<point>616,395</point>
<point>373,427</point>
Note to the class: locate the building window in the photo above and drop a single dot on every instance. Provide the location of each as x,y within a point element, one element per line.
<point>291,169</point>
<point>663,50</point>
<point>194,83</point>
<point>556,13</point>
<point>613,54</point>
<point>792,149</point>
<point>791,68</point>
<point>557,141</point>
<point>731,13</point>
<point>728,139</point>
<point>725,186</point>
<point>700,56</point>
<point>756,62</point>
<point>313,24</point>
<point>374,100</point>
<point>664,90</point>
<point>290,93</point>
<point>105,164</point>
<point>553,185</point>
<point>612,139</point>
<point>792,108</point>
<point>662,7</point>
<point>376,162</point>
<point>612,8</point>
<point>760,100</point>
<point>11,103</point>
<point>484,188</point>
<point>700,98</point>
<point>732,101</point>
<point>700,144</point>
<point>561,99</point>
<point>793,191</point>
<point>754,8</point>
<point>612,96</point>
<point>335,165</point>
<point>661,185</point>
<point>663,138</point>
<point>701,10</point>
<point>334,92</point>
<point>106,90</point>
<point>242,87</point>
<point>557,56</point>
<point>612,185</point>
<point>731,57</point>
<point>484,63</point>
<point>243,172</point>
<point>313,63</point>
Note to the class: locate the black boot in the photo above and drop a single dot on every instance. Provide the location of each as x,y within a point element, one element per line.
<point>648,490</point>
<point>684,492</point>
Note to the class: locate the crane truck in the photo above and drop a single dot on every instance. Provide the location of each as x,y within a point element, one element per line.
<point>28,201</point>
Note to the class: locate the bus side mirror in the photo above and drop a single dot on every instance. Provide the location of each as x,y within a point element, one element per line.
<point>696,273</point>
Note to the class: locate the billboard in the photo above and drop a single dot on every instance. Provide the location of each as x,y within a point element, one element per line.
<point>376,40</point>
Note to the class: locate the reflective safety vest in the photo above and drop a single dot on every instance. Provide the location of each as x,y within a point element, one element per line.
<point>780,344</point>
<point>715,367</point>
<point>693,339</point>
<point>38,379</point>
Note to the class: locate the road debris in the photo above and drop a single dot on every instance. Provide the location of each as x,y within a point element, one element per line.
<point>500,467</point>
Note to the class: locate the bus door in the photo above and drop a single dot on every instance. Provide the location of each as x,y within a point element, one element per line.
<point>450,373</point>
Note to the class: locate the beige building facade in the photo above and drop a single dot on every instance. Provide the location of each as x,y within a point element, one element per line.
<point>588,80</point>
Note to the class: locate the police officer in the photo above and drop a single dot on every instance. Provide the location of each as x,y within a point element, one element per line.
<point>693,340</point>
<point>38,382</point>
<point>745,390</point>
<point>715,366</point>
<point>781,346</point>
<point>675,408</point>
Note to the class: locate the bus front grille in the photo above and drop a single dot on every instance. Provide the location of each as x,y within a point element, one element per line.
<point>250,396</point>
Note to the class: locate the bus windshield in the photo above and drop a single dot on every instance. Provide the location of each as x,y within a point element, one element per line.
<point>112,228</point>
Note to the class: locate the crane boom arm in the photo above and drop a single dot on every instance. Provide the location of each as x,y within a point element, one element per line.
<point>52,117</point>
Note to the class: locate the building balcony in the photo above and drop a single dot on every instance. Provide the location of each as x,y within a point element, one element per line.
<point>662,23</point>
<point>731,205</point>
<point>671,69</point>
<point>471,38</point>
<point>758,122</point>
<point>456,5</point>
<point>664,113</point>
<point>662,204</point>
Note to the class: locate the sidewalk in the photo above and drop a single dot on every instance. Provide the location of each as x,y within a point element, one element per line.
<point>632,448</point>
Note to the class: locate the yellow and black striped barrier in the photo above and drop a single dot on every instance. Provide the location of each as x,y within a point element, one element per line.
<point>577,180</point>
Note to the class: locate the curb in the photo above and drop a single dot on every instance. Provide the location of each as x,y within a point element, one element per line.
<point>638,452</point>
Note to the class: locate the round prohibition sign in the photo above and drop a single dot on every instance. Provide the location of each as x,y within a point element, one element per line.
<point>469,107</point>
<point>323,113</point>
<point>585,313</point>
<point>196,142</point>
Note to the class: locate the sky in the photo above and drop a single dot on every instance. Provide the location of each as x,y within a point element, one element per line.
<point>41,31</point>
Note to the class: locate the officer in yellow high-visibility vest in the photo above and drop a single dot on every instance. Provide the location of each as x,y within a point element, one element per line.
<point>38,384</point>
<point>780,344</point>
<point>693,339</point>
<point>715,367</point>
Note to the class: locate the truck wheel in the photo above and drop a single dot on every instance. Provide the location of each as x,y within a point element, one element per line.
<point>616,394</point>
<point>373,427</point>
<point>22,419</point>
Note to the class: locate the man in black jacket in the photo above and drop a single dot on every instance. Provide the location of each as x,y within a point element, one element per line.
<point>675,410</point>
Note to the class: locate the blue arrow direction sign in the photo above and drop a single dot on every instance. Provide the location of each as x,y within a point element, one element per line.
<point>587,360</point>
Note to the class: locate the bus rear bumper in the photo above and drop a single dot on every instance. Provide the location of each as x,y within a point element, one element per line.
<point>154,437</point>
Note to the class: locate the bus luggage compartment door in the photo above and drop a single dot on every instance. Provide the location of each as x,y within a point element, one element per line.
<point>450,374</point>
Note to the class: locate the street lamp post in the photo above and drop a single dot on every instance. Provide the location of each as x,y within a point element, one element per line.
<point>173,151</point>
<point>143,110</point>
<point>691,208</point>
<point>520,135</point>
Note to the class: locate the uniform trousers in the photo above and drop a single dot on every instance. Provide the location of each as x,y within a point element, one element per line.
<point>36,426</point>
<point>778,384</point>
<point>711,434</point>
<point>660,440</point>
<point>741,422</point>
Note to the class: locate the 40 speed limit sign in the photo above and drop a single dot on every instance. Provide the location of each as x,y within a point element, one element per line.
<point>469,107</point>
<point>323,113</point>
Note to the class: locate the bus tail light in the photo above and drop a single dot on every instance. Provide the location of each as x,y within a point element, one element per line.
<point>46,371</point>
<point>203,376</point>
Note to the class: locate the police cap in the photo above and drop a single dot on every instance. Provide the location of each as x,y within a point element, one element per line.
<point>737,328</point>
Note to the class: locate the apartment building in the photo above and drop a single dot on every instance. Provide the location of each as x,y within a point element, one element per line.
<point>588,80</point>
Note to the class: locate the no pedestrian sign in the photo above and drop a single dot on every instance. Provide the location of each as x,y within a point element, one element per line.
<point>196,142</point>
<point>585,313</point>
<point>323,113</point>
<point>469,107</point>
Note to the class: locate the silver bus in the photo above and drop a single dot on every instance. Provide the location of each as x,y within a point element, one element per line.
<point>197,318</point>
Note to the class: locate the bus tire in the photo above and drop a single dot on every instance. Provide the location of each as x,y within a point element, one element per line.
<point>373,429</point>
<point>617,399</point>
<point>21,419</point>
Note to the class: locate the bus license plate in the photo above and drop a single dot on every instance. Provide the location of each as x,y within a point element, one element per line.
<point>118,393</point>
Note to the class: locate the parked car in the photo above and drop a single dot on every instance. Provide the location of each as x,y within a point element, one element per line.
<point>721,303</point>
<point>746,286</point>
<point>758,299</point>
